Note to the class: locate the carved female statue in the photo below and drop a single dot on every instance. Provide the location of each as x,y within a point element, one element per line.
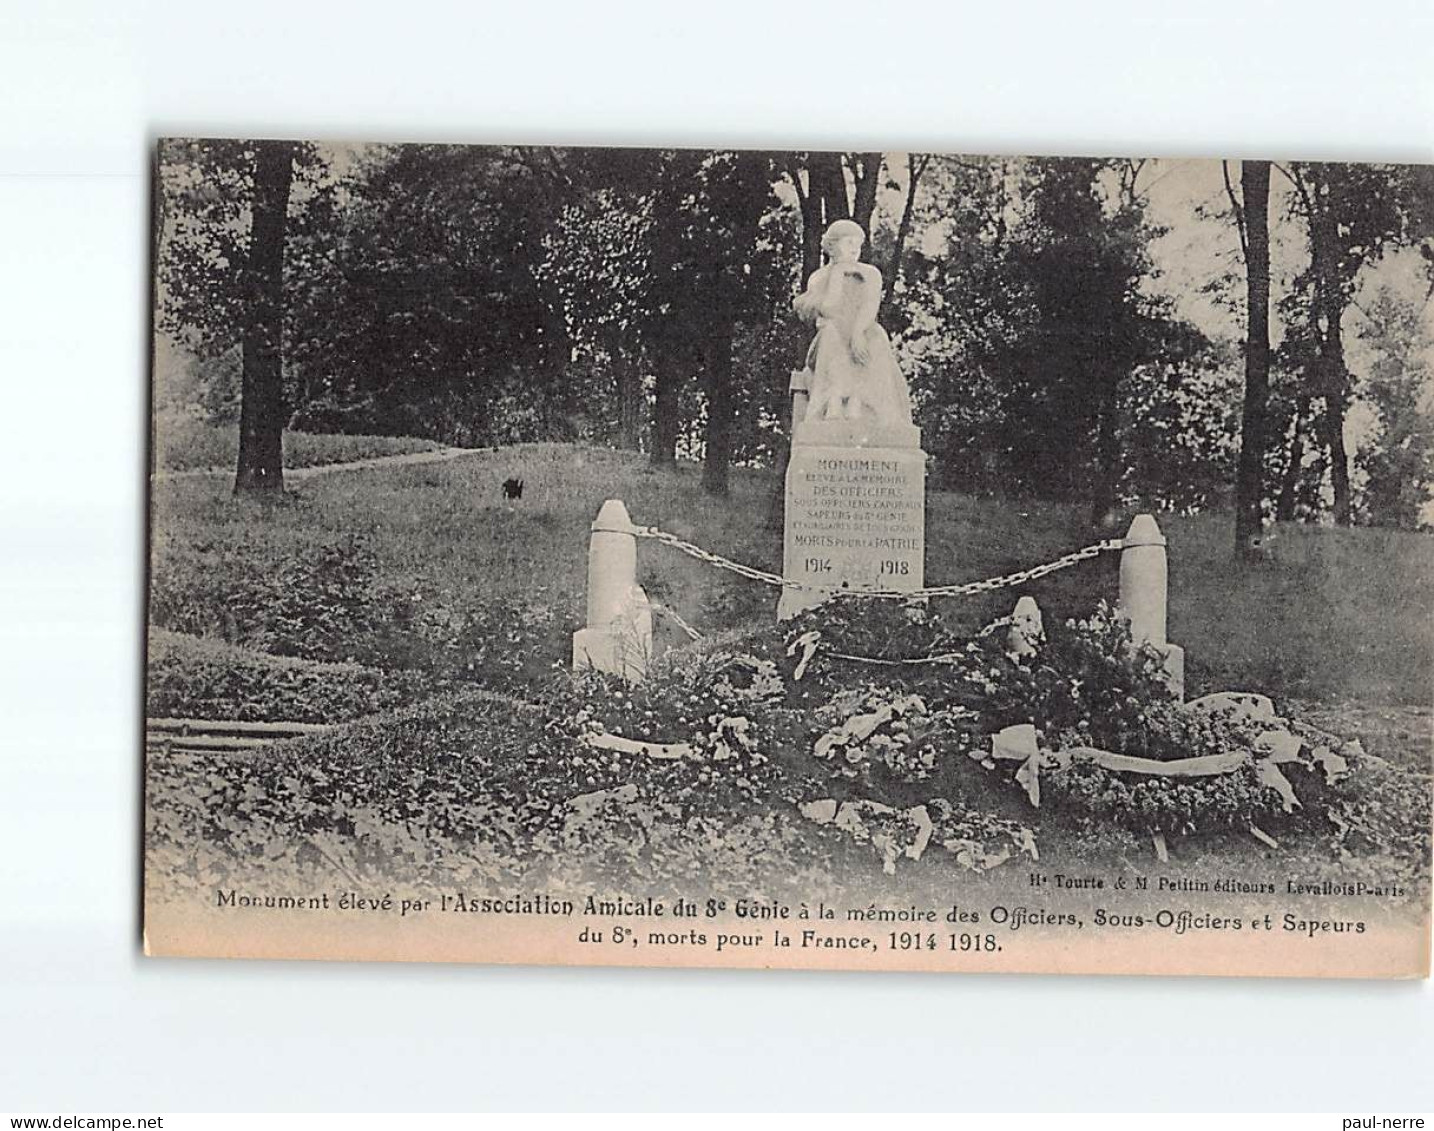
<point>852,369</point>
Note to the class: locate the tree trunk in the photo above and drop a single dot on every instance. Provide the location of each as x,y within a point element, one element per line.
<point>1333,377</point>
<point>554,401</point>
<point>629,401</point>
<point>914,169</point>
<point>717,381</point>
<point>1290,483</point>
<point>868,179</point>
<point>665,420</point>
<point>261,412</point>
<point>753,185</point>
<point>1334,381</point>
<point>1107,458</point>
<point>1332,425</point>
<point>1249,488</point>
<point>811,206</point>
<point>828,183</point>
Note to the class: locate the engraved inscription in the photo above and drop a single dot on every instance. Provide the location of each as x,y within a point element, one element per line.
<point>855,519</point>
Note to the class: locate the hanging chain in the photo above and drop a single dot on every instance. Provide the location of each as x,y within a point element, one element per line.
<point>965,589</point>
<point>708,556</point>
<point>672,615</point>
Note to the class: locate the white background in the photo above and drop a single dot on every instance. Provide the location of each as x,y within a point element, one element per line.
<point>87,1024</point>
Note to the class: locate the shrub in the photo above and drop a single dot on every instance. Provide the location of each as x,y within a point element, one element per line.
<point>314,602</point>
<point>204,679</point>
<point>1094,797</point>
<point>473,787</point>
<point>1087,685</point>
<point>470,788</point>
<point>502,644</point>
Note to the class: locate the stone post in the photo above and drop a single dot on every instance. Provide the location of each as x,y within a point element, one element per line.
<point>1144,595</point>
<point>1027,627</point>
<point>1144,581</point>
<point>618,636</point>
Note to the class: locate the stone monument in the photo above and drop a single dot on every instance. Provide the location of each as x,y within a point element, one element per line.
<point>856,482</point>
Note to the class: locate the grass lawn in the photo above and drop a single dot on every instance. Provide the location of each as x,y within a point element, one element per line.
<point>399,583</point>
<point>192,445</point>
<point>1332,615</point>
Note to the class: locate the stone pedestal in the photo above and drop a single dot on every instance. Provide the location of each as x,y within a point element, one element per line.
<point>618,635</point>
<point>855,510</point>
<point>1144,595</point>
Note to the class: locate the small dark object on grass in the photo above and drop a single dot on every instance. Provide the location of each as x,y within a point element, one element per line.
<point>513,489</point>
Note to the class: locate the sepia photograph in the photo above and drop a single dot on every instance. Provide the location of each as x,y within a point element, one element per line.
<point>811,559</point>
<point>772,558</point>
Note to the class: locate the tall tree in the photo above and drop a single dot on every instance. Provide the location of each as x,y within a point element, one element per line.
<point>242,240</point>
<point>437,305</point>
<point>1330,299</point>
<point>596,256</point>
<point>1082,265</point>
<point>666,408</point>
<point>1351,214</point>
<point>738,193</point>
<point>1398,460</point>
<point>866,179</point>
<point>680,263</point>
<point>262,412</point>
<point>820,182</point>
<point>1253,220</point>
<point>965,303</point>
<point>809,201</point>
<point>916,164</point>
<point>826,172</point>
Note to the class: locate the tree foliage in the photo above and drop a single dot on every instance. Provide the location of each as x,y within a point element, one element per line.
<point>1398,466</point>
<point>642,298</point>
<point>1351,214</point>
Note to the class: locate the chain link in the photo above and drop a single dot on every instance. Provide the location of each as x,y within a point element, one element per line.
<point>709,557</point>
<point>965,589</point>
<point>671,614</point>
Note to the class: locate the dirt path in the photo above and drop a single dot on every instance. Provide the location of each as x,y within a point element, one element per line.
<point>293,473</point>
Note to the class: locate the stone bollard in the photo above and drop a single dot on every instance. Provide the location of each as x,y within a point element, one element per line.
<point>1144,595</point>
<point>1144,581</point>
<point>618,636</point>
<point>1026,629</point>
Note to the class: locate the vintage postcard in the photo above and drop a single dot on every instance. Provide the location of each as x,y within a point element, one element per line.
<point>827,560</point>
